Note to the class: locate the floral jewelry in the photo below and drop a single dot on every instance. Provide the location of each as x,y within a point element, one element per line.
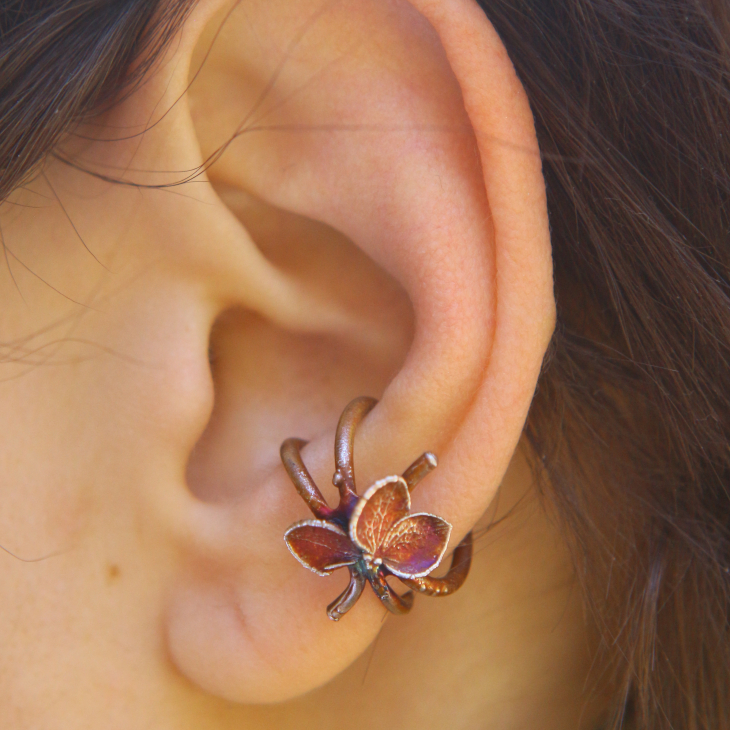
<point>375,535</point>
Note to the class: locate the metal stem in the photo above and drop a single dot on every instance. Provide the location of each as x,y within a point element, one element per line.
<point>424,464</point>
<point>344,477</point>
<point>291,457</point>
<point>347,599</point>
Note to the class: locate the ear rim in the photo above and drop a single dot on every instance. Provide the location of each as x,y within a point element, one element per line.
<point>525,314</point>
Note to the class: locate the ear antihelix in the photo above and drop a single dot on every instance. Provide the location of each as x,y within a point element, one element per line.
<point>384,539</point>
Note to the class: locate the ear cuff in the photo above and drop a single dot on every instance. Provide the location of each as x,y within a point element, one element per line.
<point>374,535</point>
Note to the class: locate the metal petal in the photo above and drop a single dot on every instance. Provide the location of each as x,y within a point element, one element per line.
<point>415,545</point>
<point>386,502</point>
<point>320,546</point>
<point>453,580</point>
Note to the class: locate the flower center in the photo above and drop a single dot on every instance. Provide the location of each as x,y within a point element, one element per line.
<point>372,562</point>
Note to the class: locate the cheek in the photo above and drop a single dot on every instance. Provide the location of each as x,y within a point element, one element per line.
<point>155,390</point>
<point>115,404</point>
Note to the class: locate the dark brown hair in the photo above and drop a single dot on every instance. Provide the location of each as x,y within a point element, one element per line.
<point>630,426</point>
<point>631,422</point>
<point>65,60</point>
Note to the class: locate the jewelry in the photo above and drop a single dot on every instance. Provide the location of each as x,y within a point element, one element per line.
<point>375,535</point>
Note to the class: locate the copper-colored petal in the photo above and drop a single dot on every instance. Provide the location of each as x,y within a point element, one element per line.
<point>386,502</point>
<point>415,545</point>
<point>320,546</point>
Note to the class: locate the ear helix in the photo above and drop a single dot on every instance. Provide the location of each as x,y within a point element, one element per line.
<point>374,536</point>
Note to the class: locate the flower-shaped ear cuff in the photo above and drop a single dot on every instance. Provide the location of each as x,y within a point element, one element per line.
<point>375,535</point>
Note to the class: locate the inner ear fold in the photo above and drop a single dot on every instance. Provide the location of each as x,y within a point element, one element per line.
<point>271,382</point>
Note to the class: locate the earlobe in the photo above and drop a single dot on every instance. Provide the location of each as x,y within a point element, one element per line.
<point>414,139</point>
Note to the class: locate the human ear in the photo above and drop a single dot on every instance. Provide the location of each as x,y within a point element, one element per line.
<point>403,127</point>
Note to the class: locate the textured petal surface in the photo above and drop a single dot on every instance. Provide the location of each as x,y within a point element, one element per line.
<point>320,546</point>
<point>415,545</point>
<point>386,502</point>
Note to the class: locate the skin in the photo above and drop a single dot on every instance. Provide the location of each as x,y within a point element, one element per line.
<point>159,350</point>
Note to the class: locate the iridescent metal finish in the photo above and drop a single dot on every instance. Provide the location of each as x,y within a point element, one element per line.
<point>373,536</point>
